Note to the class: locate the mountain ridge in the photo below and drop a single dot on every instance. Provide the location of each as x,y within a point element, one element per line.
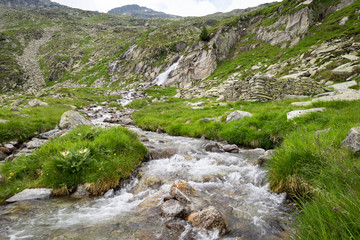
<point>135,10</point>
<point>30,4</point>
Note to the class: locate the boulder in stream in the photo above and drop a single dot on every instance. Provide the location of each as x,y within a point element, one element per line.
<point>174,209</point>
<point>182,191</point>
<point>162,153</point>
<point>209,218</point>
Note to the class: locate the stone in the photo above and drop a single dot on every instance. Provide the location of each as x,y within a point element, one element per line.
<point>177,226</point>
<point>212,147</point>
<point>72,119</point>
<point>173,209</point>
<point>346,68</point>
<point>5,150</point>
<point>3,155</point>
<point>351,57</point>
<point>162,153</point>
<point>299,113</point>
<point>329,83</point>
<point>230,148</point>
<point>109,194</point>
<point>80,192</point>
<point>352,139</point>
<point>51,134</point>
<point>341,87</point>
<point>17,102</point>
<point>266,157</point>
<point>181,191</point>
<point>3,121</point>
<point>237,115</point>
<point>31,194</point>
<point>35,143</point>
<point>10,146</point>
<point>301,104</point>
<point>37,103</point>
<point>343,20</point>
<point>256,151</point>
<point>209,219</point>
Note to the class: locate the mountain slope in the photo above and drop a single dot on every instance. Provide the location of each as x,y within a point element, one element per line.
<point>30,4</point>
<point>139,12</point>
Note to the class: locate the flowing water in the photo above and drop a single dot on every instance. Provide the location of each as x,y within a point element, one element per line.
<point>161,80</point>
<point>230,182</point>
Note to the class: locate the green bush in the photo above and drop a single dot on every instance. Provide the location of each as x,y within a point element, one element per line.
<point>86,155</point>
<point>204,35</point>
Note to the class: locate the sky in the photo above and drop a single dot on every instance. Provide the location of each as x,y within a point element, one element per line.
<point>176,7</point>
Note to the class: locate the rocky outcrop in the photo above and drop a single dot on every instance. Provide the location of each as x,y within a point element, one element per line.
<point>72,119</point>
<point>31,194</point>
<point>352,140</point>
<point>37,103</point>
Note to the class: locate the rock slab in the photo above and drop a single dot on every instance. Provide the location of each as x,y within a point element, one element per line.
<point>209,218</point>
<point>299,113</point>
<point>352,140</point>
<point>31,194</point>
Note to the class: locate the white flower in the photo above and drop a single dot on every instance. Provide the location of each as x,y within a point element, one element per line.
<point>65,153</point>
<point>83,150</point>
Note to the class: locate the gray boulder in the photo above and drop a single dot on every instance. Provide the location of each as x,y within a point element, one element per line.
<point>209,218</point>
<point>237,115</point>
<point>37,103</point>
<point>31,194</point>
<point>212,147</point>
<point>181,191</point>
<point>80,192</point>
<point>299,113</point>
<point>72,119</point>
<point>35,143</point>
<point>352,140</point>
<point>230,148</point>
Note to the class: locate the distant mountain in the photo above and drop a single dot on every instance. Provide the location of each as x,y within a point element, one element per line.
<point>139,12</point>
<point>30,4</point>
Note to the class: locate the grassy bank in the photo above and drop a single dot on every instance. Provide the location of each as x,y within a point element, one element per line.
<point>98,157</point>
<point>310,163</point>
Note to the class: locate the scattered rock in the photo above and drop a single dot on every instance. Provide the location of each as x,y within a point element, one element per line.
<point>153,182</point>
<point>266,157</point>
<point>162,153</point>
<point>3,156</point>
<point>237,115</point>
<point>31,194</point>
<point>344,69</point>
<point>343,20</point>
<point>10,146</point>
<point>80,192</point>
<point>301,104</point>
<point>5,150</point>
<point>3,121</point>
<point>173,209</point>
<point>209,218</point>
<point>256,151</point>
<point>37,103</point>
<point>351,57</point>
<point>352,139</point>
<point>181,191</point>
<point>72,119</point>
<point>35,143</point>
<point>230,148</point>
<point>109,194</point>
<point>299,113</point>
<point>212,147</point>
<point>177,226</point>
<point>51,134</point>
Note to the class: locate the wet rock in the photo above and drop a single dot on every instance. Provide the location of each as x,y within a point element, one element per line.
<point>112,120</point>
<point>109,194</point>
<point>256,151</point>
<point>181,191</point>
<point>5,150</point>
<point>162,153</point>
<point>37,103</point>
<point>72,119</point>
<point>299,113</point>
<point>266,157</point>
<point>80,192</point>
<point>209,218</point>
<point>230,148</point>
<point>177,226</point>
<point>3,156</point>
<point>35,143</point>
<point>237,115</point>
<point>173,209</point>
<point>31,194</point>
<point>352,139</point>
<point>212,147</point>
<point>153,182</point>
<point>10,146</point>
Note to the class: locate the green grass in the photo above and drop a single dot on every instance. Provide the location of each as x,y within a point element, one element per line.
<point>97,157</point>
<point>22,128</point>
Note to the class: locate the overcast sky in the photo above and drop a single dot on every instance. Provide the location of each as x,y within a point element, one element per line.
<point>176,7</point>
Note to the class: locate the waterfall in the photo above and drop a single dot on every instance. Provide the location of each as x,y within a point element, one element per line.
<point>161,80</point>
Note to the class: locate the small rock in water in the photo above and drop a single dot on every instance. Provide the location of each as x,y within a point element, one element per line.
<point>352,139</point>
<point>109,194</point>
<point>80,192</point>
<point>177,226</point>
<point>162,153</point>
<point>31,194</point>
<point>212,147</point>
<point>173,209</point>
<point>181,191</point>
<point>230,148</point>
<point>209,218</point>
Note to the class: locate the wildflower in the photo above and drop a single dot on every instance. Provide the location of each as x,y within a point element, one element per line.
<point>114,154</point>
<point>9,177</point>
<point>83,150</point>
<point>12,174</point>
<point>348,145</point>
<point>99,169</point>
<point>14,159</point>
<point>65,153</point>
<point>47,174</point>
